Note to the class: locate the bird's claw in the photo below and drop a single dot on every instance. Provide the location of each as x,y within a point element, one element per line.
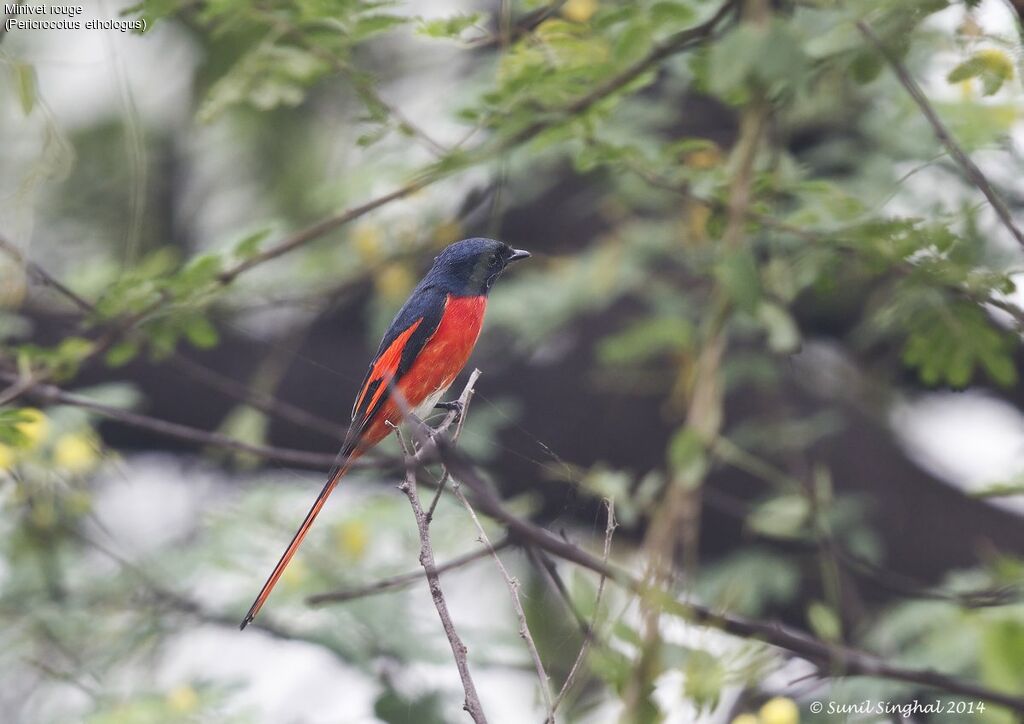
<point>455,406</point>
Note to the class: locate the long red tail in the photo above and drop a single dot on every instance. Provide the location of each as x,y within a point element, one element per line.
<point>286,558</point>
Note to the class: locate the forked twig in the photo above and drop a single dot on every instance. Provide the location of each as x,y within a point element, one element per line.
<point>459,650</point>
<point>970,169</point>
<point>588,637</point>
<point>517,604</point>
<point>463,407</point>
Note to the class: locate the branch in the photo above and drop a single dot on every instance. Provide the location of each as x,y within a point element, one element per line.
<point>459,650</point>
<point>971,169</point>
<point>609,531</point>
<point>679,42</point>
<point>201,373</point>
<point>401,581</point>
<point>676,43</point>
<point>52,394</point>
<point>517,604</point>
<point>851,661</point>
<point>462,408</point>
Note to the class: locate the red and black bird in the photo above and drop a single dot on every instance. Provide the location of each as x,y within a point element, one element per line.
<point>426,346</point>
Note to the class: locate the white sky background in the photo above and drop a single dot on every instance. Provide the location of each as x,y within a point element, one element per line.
<point>968,439</point>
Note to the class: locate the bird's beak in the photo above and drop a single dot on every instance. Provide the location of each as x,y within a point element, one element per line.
<point>518,254</point>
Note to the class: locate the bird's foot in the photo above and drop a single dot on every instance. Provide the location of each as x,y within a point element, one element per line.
<point>451,406</point>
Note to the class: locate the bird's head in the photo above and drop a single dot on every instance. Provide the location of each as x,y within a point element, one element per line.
<point>471,266</point>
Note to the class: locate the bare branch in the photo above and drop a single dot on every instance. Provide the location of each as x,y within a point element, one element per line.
<point>942,133</point>
<point>609,531</point>
<point>517,604</point>
<point>463,408</point>
<point>848,660</point>
<point>401,581</point>
<point>51,394</point>
<point>459,650</point>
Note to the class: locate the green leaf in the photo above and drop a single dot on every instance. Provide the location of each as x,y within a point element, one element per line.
<point>451,27</point>
<point>824,621</point>
<point>122,353</point>
<point>10,430</point>
<point>737,273</point>
<point>201,332</point>
<point>248,425</point>
<point>647,339</point>
<point>687,455</point>
<point>992,67</point>
<point>704,680</point>
<point>784,516</point>
<point>26,84</point>
<point>842,37</point>
<point>633,43</point>
<point>667,13</point>
<point>783,334</point>
<point>249,246</point>
<point>375,24</point>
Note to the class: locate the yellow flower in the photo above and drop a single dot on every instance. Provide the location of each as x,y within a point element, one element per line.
<point>294,575</point>
<point>34,426</point>
<point>183,699</point>
<point>367,240</point>
<point>998,61</point>
<point>78,502</point>
<point>394,282</point>
<point>7,457</point>
<point>579,11</point>
<point>780,710</point>
<point>75,453</point>
<point>704,158</point>
<point>43,514</point>
<point>12,284</point>
<point>746,719</point>
<point>447,231</point>
<point>352,538</point>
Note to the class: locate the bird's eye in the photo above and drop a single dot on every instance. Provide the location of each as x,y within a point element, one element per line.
<point>495,260</point>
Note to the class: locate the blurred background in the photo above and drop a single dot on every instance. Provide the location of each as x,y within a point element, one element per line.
<point>772,314</point>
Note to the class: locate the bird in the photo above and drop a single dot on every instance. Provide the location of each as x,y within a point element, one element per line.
<point>424,349</point>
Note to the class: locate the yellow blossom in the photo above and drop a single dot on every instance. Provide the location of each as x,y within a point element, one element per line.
<point>294,575</point>
<point>12,284</point>
<point>394,282</point>
<point>75,453</point>
<point>579,11</point>
<point>34,426</point>
<point>447,231</point>
<point>7,457</point>
<point>352,538</point>
<point>183,699</point>
<point>43,513</point>
<point>704,158</point>
<point>780,710</point>
<point>367,240</point>
<point>746,719</point>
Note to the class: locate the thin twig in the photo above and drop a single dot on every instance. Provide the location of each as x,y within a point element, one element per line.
<point>428,438</point>
<point>517,604</point>
<point>676,43</point>
<point>52,394</point>
<point>393,583</point>
<point>17,388</point>
<point>851,661</point>
<point>459,650</point>
<point>201,373</point>
<point>463,407</point>
<point>609,531</point>
<point>942,133</point>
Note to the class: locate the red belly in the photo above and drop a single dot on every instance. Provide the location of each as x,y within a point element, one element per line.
<point>438,364</point>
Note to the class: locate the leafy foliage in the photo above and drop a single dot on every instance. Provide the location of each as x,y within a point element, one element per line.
<point>806,215</point>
